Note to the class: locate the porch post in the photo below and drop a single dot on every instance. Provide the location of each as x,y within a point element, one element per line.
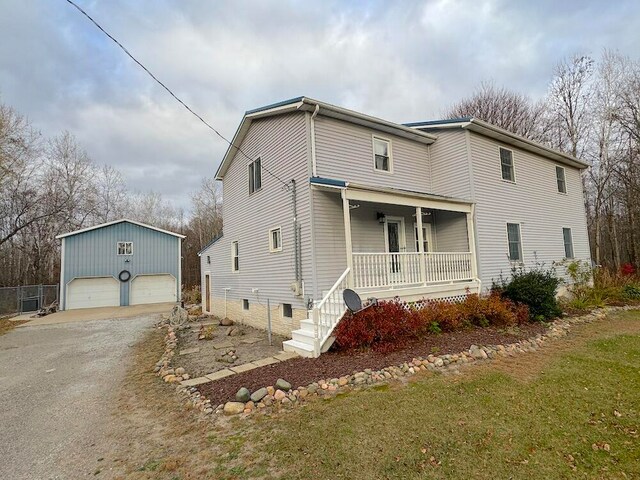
<point>347,236</point>
<point>472,242</point>
<point>423,273</point>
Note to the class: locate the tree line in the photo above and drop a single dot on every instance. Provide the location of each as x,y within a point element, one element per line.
<point>50,186</point>
<point>590,111</point>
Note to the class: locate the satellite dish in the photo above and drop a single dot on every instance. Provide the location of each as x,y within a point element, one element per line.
<point>354,303</point>
<point>352,300</point>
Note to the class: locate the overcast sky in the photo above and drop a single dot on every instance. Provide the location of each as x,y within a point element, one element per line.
<point>403,61</point>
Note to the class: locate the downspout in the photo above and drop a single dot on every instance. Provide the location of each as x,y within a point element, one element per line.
<point>314,169</point>
<point>296,240</point>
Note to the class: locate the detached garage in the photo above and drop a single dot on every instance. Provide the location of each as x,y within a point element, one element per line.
<point>119,263</point>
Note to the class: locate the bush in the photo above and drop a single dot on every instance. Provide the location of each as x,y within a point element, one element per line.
<point>391,325</point>
<point>631,291</point>
<point>535,288</point>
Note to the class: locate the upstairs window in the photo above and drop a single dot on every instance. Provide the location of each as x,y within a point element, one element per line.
<point>235,257</point>
<point>560,180</point>
<point>255,175</point>
<point>125,248</point>
<point>506,162</point>
<point>208,260</point>
<point>382,154</point>
<point>275,240</point>
<point>515,243</point>
<point>568,243</point>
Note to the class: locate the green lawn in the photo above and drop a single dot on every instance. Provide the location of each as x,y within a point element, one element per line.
<point>575,415</point>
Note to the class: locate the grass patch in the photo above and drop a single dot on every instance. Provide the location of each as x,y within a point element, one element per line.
<point>7,325</point>
<point>579,416</point>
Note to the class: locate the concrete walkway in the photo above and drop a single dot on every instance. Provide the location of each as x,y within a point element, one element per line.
<point>102,313</point>
<point>57,382</point>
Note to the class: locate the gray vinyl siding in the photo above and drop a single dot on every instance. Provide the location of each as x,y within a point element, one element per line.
<point>449,160</point>
<point>533,202</point>
<point>206,269</point>
<point>345,151</point>
<point>281,142</point>
<point>451,231</point>
<point>93,254</point>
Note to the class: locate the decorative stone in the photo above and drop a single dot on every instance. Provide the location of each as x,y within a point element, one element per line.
<point>438,362</point>
<point>342,381</point>
<point>180,371</point>
<point>233,408</point>
<point>477,352</point>
<point>283,385</point>
<point>279,395</point>
<point>243,395</point>
<point>226,322</point>
<point>270,390</point>
<point>259,394</point>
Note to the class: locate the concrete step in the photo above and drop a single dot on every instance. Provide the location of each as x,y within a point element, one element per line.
<point>303,336</point>
<point>300,348</point>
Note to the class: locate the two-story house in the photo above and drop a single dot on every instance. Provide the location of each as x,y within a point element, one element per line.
<point>319,198</point>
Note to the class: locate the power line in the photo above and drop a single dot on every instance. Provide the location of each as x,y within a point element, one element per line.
<point>169,90</point>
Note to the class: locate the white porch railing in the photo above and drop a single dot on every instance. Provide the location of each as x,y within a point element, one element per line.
<point>389,270</point>
<point>328,312</point>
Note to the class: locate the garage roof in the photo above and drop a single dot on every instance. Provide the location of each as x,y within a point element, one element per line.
<point>102,225</point>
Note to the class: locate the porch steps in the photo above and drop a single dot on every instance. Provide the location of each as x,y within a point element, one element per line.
<point>302,349</point>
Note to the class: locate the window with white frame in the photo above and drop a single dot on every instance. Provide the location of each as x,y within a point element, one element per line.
<point>382,154</point>
<point>125,248</point>
<point>561,180</point>
<point>255,175</point>
<point>515,242</point>
<point>426,236</point>
<point>287,310</point>
<point>506,163</point>
<point>275,239</point>
<point>568,243</point>
<point>235,257</point>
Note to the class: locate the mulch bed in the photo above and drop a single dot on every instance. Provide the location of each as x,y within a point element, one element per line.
<point>303,371</point>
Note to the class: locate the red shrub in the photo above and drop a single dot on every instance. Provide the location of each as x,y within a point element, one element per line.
<point>627,269</point>
<point>389,325</point>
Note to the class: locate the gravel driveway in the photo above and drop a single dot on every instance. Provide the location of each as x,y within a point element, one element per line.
<point>56,384</point>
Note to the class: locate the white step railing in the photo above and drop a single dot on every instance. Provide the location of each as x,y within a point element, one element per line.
<point>388,270</point>
<point>328,312</point>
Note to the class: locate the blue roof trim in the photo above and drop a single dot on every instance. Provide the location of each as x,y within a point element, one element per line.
<point>215,239</point>
<point>328,181</point>
<point>438,122</point>
<point>274,105</point>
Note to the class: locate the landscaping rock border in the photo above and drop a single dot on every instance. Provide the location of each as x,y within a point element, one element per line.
<point>270,397</point>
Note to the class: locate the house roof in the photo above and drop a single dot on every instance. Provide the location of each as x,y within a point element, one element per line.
<point>335,183</point>
<point>500,134</point>
<point>213,240</point>
<point>102,225</point>
<point>306,104</point>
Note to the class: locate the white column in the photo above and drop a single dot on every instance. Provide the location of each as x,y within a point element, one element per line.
<point>347,236</point>
<point>472,242</point>
<point>421,256</point>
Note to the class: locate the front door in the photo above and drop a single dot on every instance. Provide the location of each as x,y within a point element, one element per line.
<point>395,245</point>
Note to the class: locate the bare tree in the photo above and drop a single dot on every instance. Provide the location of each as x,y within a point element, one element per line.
<point>502,107</point>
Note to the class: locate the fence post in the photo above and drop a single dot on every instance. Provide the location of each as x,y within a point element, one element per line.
<point>41,296</point>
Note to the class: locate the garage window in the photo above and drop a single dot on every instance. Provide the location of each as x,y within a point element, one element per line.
<point>125,248</point>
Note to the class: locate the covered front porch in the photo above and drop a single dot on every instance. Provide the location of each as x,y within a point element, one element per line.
<point>408,245</point>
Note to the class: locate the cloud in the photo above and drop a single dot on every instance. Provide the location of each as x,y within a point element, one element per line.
<point>402,61</point>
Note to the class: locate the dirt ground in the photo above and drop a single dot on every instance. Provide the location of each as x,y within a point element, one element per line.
<point>246,344</point>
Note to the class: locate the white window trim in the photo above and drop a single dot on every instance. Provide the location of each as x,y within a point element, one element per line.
<point>373,145</point>
<point>513,165</point>
<point>249,163</point>
<point>506,229</point>
<point>234,255</point>
<point>564,175</point>
<point>572,246</point>
<point>271,248</point>
<point>123,254</point>
<point>284,317</point>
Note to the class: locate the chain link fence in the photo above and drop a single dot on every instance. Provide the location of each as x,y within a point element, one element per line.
<point>27,298</point>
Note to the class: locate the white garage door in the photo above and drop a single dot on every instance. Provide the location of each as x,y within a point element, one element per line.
<point>93,292</point>
<point>153,289</point>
